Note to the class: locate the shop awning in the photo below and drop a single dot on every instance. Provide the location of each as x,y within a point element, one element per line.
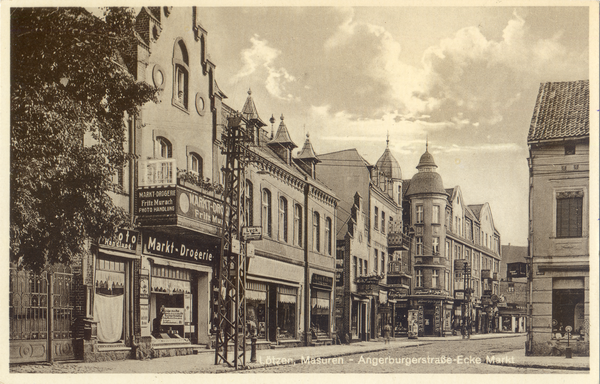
<point>284,298</point>
<point>118,254</point>
<point>160,284</point>
<point>180,264</point>
<point>320,303</point>
<point>256,295</point>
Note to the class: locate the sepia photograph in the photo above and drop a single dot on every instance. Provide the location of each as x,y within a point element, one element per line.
<point>321,188</point>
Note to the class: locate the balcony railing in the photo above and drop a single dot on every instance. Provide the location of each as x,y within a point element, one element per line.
<point>153,173</point>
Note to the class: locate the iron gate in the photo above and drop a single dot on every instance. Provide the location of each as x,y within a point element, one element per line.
<point>31,298</point>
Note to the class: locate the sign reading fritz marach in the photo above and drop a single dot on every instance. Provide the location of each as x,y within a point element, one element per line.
<point>181,249</point>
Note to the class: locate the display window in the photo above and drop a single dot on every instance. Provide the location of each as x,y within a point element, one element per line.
<point>287,298</point>
<point>256,306</point>
<point>319,314</point>
<point>109,299</point>
<point>170,301</point>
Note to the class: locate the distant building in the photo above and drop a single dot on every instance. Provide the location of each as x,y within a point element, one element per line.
<point>559,214</point>
<point>368,213</point>
<point>450,235</point>
<point>512,308</point>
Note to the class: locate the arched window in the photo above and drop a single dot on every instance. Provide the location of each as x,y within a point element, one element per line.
<point>180,75</point>
<point>328,236</point>
<point>266,213</point>
<point>298,225</point>
<point>165,149</point>
<point>317,232</point>
<point>196,164</point>
<point>283,220</point>
<point>249,203</point>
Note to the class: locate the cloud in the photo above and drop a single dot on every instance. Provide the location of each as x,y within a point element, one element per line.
<point>480,77</point>
<point>258,60</point>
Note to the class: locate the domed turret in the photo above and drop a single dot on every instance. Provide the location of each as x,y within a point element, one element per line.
<point>427,180</point>
<point>388,165</point>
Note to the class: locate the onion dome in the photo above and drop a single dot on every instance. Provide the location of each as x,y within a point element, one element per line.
<point>388,165</point>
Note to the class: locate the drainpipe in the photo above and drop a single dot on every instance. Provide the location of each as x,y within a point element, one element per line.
<point>529,350</point>
<point>306,268</point>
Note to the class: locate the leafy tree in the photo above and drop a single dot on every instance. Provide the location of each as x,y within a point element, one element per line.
<point>71,92</point>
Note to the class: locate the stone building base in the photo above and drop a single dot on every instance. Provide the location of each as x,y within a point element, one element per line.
<point>558,347</point>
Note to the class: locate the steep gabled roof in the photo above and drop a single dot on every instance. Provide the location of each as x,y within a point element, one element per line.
<point>282,137</point>
<point>561,111</point>
<point>308,153</point>
<point>476,209</point>
<point>249,110</point>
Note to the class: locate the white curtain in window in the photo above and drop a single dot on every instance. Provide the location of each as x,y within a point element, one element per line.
<point>108,313</point>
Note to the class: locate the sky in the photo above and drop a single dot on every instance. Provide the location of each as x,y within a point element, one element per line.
<point>463,78</point>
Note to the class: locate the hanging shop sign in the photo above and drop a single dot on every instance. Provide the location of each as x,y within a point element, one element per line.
<point>461,265</point>
<point>459,295</point>
<point>181,249</point>
<point>124,239</point>
<point>322,281</point>
<point>429,292</point>
<point>517,269</point>
<point>199,207</point>
<point>156,201</point>
<point>177,201</point>
<point>252,233</point>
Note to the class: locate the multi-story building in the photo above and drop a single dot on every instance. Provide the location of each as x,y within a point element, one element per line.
<point>368,212</point>
<point>149,290</point>
<point>559,212</point>
<point>290,276</point>
<point>456,253</point>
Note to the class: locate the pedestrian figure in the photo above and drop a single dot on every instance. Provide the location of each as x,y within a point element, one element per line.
<point>387,330</point>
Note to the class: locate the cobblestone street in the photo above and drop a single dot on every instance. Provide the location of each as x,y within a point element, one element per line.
<point>401,356</point>
<point>429,358</point>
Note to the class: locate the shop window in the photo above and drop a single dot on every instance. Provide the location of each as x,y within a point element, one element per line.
<point>266,213</point>
<point>419,214</point>
<point>109,300</point>
<point>328,241</point>
<point>419,246</point>
<point>286,312</point>
<point>256,306</point>
<point>170,291</point>
<point>298,225</point>
<point>249,196</point>
<point>511,287</point>
<point>569,214</point>
<point>419,278</point>
<point>319,314</point>
<point>376,219</point>
<point>180,75</point>
<point>317,231</point>
<point>283,220</point>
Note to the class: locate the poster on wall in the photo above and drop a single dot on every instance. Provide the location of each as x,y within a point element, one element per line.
<point>172,316</point>
<point>413,324</point>
<point>144,315</point>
